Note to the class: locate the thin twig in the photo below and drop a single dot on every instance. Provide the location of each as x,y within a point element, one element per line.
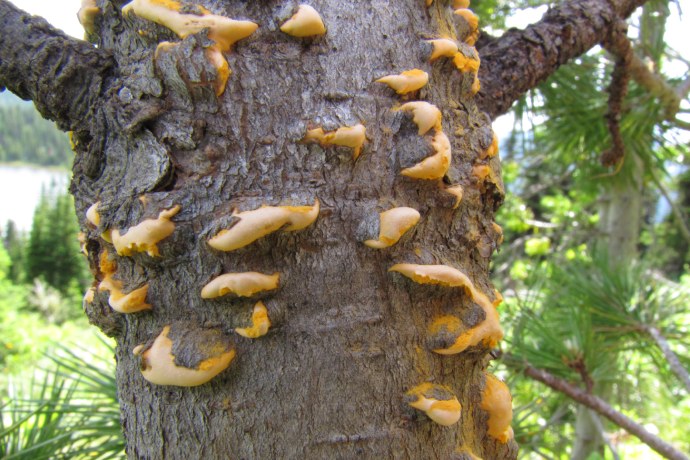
<point>600,406</point>
<point>677,212</point>
<point>672,359</point>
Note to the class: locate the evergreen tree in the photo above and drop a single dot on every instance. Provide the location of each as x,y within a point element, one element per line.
<point>14,242</point>
<point>53,249</point>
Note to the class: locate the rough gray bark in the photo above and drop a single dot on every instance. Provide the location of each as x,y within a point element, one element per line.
<point>348,338</point>
<point>64,77</point>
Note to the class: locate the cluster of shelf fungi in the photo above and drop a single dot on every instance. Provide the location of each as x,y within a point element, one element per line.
<point>161,357</point>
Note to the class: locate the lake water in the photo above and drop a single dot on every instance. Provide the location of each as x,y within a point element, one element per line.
<point>20,191</point>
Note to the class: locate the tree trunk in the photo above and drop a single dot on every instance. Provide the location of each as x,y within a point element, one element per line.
<point>348,338</point>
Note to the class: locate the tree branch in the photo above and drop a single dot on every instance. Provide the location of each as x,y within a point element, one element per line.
<point>673,361</point>
<point>64,77</point>
<point>603,408</point>
<point>521,59</point>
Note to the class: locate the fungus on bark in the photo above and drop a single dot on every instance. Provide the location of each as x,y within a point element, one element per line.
<point>145,236</point>
<point>407,81</point>
<point>496,400</point>
<point>438,402</point>
<point>394,223</point>
<point>448,334</point>
<point>435,166</point>
<point>472,21</point>
<point>425,115</point>
<point>260,323</point>
<point>224,32</point>
<point>457,4</point>
<point>89,295</point>
<point>87,17</point>
<point>470,65</point>
<point>244,284</point>
<point>249,226</point>
<point>304,23</point>
<point>185,355</point>
<point>492,150</point>
<point>347,136</point>
<point>457,191</point>
<point>443,47</point>
<point>131,302</point>
<point>92,214</point>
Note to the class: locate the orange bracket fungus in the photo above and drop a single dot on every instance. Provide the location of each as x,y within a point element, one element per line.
<point>260,323</point>
<point>469,64</point>
<point>461,4</point>
<point>492,151</point>
<point>244,284</point>
<point>458,192</point>
<point>87,16</point>
<point>443,47</point>
<point>472,21</point>
<point>441,275</point>
<point>394,224</point>
<point>252,225</point>
<point>449,330</point>
<point>433,167</point>
<point>305,23</point>
<point>347,136</point>
<point>185,355</point>
<point>496,400</point>
<point>92,215</point>
<point>131,302</point>
<point>223,31</point>
<point>94,218</point>
<point>89,295</point>
<point>425,115</point>
<point>438,402</point>
<point>407,81</point>
<point>144,236</point>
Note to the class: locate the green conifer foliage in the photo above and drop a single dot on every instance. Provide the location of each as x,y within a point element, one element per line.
<point>53,249</point>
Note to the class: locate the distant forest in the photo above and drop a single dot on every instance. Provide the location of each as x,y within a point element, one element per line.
<point>27,138</point>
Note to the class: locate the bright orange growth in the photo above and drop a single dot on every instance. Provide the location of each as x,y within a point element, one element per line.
<point>131,302</point>
<point>223,31</point>
<point>443,47</point>
<point>492,151</point>
<point>488,332</point>
<point>458,192</point>
<point>258,223</point>
<point>435,166</point>
<point>437,401</point>
<point>347,136</point>
<point>394,224</point>
<point>145,236</point>
<point>496,400</point>
<point>244,284</point>
<point>305,22</point>
<point>407,81</point>
<point>158,363</point>
<point>425,115</point>
<point>260,323</point>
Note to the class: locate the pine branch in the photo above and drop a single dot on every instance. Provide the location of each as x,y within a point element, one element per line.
<point>64,77</point>
<point>673,361</point>
<point>521,59</point>
<point>604,409</point>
